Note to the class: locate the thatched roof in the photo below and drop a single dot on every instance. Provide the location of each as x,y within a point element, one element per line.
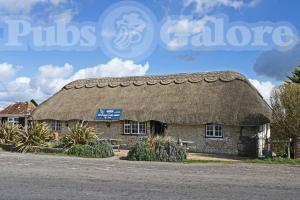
<point>198,98</point>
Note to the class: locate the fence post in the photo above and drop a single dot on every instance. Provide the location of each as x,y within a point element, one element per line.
<point>289,148</point>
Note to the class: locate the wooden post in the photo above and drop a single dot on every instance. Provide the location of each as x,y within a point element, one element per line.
<point>289,148</point>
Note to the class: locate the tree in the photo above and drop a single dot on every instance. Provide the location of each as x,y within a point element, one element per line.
<point>295,76</point>
<point>285,101</point>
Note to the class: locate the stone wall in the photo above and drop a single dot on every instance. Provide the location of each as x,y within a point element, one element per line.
<point>196,133</point>
<point>106,130</point>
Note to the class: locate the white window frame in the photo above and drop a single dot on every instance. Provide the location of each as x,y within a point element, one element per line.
<point>13,120</point>
<point>56,125</point>
<point>135,128</point>
<point>214,132</point>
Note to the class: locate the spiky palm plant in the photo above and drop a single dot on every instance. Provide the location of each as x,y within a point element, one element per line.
<point>9,132</point>
<point>81,133</point>
<point>35,135</point>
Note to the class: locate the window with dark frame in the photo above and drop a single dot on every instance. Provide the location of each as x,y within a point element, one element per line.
<point>134,128</point>
<point>13,120</point>
<point>214,131</point>
<point>55,125</point>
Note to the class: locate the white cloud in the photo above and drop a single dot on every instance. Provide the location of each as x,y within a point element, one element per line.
<point>183,28</point>
<point>49,10</point>
<point>19,89</point>
<point>50,71</point>
<point>187,26</point>
<point>206,6</point>
<point>115,67</point>
<point>23,6</point>
<point>66,15</point>
<point>51,79</point>
<point>57,2</point>
<point>6,71</point>
<point>15,6</point>
<point>264,88</point>
<point>177,43</point>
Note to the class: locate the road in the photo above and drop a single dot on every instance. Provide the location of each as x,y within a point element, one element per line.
<point>27,176</point>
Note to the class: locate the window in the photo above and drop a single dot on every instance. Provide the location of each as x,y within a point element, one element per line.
<point>134,128</point>
<point>214,131</point>
<point>13,120</point>
<point>56,125</point>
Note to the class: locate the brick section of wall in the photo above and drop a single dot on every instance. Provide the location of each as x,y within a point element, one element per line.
<point>297,148</point>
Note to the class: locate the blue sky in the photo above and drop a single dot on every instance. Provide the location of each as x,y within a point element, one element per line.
<point>38,74</point>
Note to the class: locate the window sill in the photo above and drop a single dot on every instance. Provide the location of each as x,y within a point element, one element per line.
<point>134,134</point>
<point>215,138</point>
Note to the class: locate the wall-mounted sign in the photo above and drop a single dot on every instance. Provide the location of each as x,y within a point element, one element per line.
<point>109,114</point>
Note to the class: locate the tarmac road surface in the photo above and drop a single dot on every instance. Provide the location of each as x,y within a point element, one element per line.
<point>28,176</point>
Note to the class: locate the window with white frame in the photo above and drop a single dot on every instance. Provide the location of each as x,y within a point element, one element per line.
<point>214,131</point>
<point>13,120</point>
<point>134,128</point>
<point>55,125</point>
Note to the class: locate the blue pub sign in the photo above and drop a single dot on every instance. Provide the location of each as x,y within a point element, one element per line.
<point>109,114</point>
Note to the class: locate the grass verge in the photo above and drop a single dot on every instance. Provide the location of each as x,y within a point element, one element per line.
<point>207,161</point>
<point>277,160</point>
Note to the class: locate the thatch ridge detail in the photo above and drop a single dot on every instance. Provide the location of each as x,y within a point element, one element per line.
<point>209,77</point>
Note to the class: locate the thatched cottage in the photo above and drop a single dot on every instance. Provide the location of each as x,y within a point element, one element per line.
<point>221,112</point>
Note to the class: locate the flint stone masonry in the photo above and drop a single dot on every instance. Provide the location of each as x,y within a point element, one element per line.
<point>229,144</point>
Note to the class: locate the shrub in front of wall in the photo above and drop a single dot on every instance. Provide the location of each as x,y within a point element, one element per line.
<point>163,149</point>
<point>141,152</point>
<point>81,151</point>
<point>170,152</point>
<point>167,150</point>
<point>102,148</point>
<point>63,142</point>
<point>99,150</point>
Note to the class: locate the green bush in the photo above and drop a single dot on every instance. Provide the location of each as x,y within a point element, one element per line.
<point>170,152</point>
<point>280,148</point>
<point>162,149</point>
<point>141,152</point>
<point>92,150</point>
<point>102,148</point>
<point>63,142</point>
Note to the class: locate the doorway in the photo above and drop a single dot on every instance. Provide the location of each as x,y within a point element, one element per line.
<point>158,128</point>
